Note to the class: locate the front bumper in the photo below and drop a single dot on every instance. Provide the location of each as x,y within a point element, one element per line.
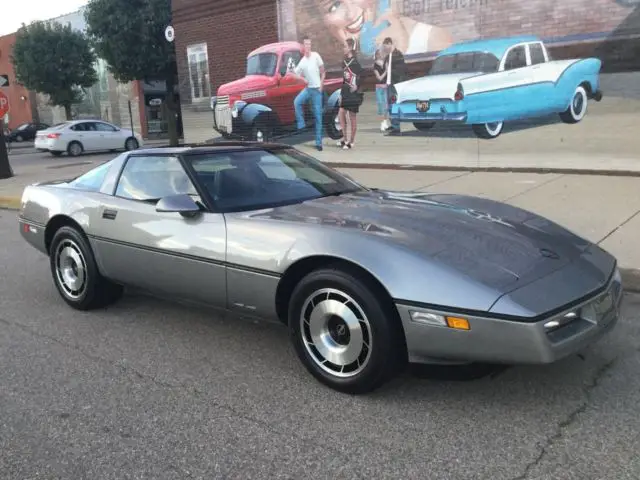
<point>495,340</point>
<point>33,233</point>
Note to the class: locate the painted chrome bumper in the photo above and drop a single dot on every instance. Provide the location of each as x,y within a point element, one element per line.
<point>495,340</point>
<point>429,117</point>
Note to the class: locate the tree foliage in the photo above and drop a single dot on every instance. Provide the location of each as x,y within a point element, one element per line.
<point>129,36</point>
<point>55,60</point>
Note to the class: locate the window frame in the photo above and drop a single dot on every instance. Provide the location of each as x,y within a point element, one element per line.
<point>196,49</point>
<point>503,62</point>
<point>530,56</point>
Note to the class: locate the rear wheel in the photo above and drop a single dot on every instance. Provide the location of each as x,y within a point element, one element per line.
<point>131,144</point>
<point>332,124</point>
<point>19,138</point>
<point>344,331</point>
<point>76,274</point>
<point>578,107</point>
<point>424,126</point>
<point>74,149</point>
<point>488,130</point>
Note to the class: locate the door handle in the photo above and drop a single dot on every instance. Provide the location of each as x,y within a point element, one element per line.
<point>109,214</point>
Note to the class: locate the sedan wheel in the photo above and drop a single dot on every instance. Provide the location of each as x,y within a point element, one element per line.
<point>345,331</point>
<point>578,107</point>
<point>488,130</point>
<point>76,274</point>
<point>131,144</point>
<point>19,138</point>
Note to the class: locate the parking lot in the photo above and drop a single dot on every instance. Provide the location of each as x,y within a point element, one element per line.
<point>153,389</point>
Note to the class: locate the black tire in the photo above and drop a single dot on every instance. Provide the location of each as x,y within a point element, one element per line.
<point>331,124</point>
<point>19,138</point>
<point>131,144</point>
<point>377,324</point>
<point>424,126</point>
<point>488,131</point>
<point>578,107</point>
<point>73,150</point>
<point>55,153</point>
<point>94,291</point>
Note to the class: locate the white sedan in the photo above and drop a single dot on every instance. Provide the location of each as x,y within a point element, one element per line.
<point>78,136</point>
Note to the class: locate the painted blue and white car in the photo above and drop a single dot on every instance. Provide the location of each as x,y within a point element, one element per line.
<point>485,83</point>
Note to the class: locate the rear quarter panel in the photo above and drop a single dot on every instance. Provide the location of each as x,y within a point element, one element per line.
<point>578,72</point>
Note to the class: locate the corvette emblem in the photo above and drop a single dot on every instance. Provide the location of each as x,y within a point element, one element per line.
<point>545,252</point>
<point>422,106</point>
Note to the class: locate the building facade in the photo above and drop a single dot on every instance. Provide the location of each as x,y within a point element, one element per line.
<point>22,102</point>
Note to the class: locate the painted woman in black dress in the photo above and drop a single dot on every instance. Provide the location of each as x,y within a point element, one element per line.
<point>351,94</point>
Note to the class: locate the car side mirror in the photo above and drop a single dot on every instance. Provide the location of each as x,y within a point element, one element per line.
<point>182,204</point>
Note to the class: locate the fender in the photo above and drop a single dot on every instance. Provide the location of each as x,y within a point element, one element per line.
<point>250,111</point>
<point>332,101</point>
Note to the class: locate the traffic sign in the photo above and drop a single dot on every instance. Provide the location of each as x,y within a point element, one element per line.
<point>4,105</point>
<point>4,80</point>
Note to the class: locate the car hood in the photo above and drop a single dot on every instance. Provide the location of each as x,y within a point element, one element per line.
<point>245,85</point>
<point>431,86</point>
<point>495,244</point>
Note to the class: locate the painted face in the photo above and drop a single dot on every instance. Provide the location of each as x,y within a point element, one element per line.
<point>307,46</point>
<point>345,18</point>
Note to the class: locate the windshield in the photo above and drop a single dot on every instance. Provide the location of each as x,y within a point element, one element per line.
<point>263,178</point>
<point>24,126</point>
<point>467,62</point>
<point>262,64</point>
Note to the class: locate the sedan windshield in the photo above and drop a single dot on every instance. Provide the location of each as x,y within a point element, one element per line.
<point>262,64</point>
<point>467,62</point>
<point>266,178</point>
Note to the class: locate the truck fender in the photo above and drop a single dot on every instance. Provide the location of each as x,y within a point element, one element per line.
<point>332,101</point>
<point>251,111</point>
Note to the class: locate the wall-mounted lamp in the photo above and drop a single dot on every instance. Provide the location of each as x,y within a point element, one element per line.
<point>23,98</point>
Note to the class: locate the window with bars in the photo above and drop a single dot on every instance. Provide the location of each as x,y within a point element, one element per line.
<point>198,61</point>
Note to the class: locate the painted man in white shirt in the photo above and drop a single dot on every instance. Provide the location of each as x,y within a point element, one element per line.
<point>311,68</point>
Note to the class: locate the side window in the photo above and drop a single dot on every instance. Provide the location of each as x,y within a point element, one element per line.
<point>78,127</point>
<point>290,60</point>
<point>93,179</point>
<point>103,127</point>
<point>537,53</point>
<point>516,58</point>
<point>149,178</point>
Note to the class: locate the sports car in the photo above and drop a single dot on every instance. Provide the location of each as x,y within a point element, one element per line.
<point>366,280</point>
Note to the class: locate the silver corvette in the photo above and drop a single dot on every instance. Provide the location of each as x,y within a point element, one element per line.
<point>366,280</point>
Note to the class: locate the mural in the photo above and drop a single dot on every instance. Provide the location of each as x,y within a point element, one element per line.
<point>420,28</point>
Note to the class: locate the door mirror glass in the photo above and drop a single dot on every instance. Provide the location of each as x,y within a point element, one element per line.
<point>182,204</point>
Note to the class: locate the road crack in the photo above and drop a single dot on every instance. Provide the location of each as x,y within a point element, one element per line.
<point>561,427</point>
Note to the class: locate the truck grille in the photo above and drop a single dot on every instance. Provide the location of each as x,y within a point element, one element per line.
<point>222,114</point>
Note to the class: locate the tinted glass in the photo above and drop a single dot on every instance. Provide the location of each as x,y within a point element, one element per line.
<point>516,58</point>
<point>262,64</point>
<point>149,178</point>
<point>537,54</point>
<point>103,127</point>
<point>290,60</point>
<point>250,180</point>
<point>93,179</point>
<point>467,62</point>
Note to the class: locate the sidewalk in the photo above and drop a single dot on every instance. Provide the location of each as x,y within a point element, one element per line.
<point>603,209</point>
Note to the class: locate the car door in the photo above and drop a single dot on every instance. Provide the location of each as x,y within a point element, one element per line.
<point>514,81</point>
<point>160,251</point>
<point>110,138</point>
<point>87,134</point>
<point>288,87</point>
<point>541,92</point>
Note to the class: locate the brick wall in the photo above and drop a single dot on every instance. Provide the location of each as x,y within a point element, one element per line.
<point>20,99</point>
<point>230,30</point>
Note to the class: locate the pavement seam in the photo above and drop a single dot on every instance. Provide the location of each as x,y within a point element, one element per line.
<point>570,419</point>
<point>618,227</point>
<point>535,187</point>
<point>464,174</point>
<point>128,369</point>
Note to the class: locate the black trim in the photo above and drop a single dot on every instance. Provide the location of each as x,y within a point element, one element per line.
<point>29,222</point>
<point>220,263</point>
<point>109,214</point>
<point>510,318</point>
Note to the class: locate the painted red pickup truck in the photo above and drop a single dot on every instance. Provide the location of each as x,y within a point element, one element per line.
<point>260,105</point>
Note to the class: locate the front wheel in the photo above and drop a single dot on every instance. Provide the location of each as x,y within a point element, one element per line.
<point>344,332</point>
<point>578,107</point>
<point>332,124</point>
<point>488,130</point>
<point>76,274</point>
<point>131,144</point>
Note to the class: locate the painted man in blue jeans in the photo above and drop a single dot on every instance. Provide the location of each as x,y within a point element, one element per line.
<point>311,68</point>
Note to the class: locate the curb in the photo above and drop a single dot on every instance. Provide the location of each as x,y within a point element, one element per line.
<point>10,203</point>
<point>630,279</point>
<point>443,168</point>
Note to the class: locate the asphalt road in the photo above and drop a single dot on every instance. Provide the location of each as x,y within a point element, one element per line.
<point>21,157</point>
<point>158,390</point>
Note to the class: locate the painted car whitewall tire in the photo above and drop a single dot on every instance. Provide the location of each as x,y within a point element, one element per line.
<point>488,130</point>
<point>578,106</point>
